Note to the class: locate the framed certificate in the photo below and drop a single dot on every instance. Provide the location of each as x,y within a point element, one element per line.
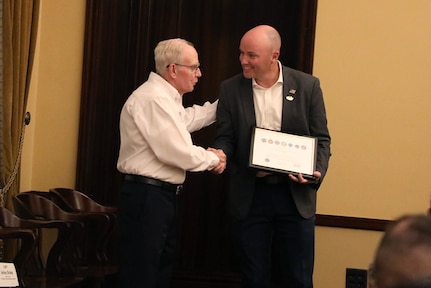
<point>282,152</point>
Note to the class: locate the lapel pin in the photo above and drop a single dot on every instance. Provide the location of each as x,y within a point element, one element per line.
<point>291,94</point>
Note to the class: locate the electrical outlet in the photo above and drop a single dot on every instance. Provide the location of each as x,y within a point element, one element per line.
<point>356,278</point>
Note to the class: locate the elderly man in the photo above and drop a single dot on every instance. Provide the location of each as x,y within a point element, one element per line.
<point>155,153</point>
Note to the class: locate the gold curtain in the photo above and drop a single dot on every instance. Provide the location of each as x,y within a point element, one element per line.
<point>20,19</point>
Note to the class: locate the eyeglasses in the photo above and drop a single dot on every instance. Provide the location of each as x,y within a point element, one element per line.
<point>194,68</point>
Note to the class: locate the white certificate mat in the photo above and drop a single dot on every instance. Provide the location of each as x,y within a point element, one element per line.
<point>283,152</point>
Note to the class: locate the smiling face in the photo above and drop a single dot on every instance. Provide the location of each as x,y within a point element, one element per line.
<point>259,54</point>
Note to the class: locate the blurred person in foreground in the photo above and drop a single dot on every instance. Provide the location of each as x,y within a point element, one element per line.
<point>403,256</point>
<point>156,151</point>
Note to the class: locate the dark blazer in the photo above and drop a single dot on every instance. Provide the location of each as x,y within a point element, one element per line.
<point>304,115</point>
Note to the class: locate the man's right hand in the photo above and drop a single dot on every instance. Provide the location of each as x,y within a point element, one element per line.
<point>221,166</point>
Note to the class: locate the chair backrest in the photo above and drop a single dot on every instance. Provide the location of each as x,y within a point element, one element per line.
<point>80,202</point>
<point>8,219</point>
<point>34,205</point>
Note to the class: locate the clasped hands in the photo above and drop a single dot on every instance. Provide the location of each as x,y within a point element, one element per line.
<point>221,166</point>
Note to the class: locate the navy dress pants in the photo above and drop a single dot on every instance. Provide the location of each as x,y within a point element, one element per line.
<point>274,217</point>
<point>147,222</point>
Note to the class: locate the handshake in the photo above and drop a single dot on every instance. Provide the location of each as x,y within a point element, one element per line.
<point>221,166</point>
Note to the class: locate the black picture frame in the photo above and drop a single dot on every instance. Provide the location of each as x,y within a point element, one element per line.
<point>284,153</point>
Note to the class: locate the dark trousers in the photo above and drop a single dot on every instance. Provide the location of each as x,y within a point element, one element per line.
<point>274,221</point>
<point>147,235</point>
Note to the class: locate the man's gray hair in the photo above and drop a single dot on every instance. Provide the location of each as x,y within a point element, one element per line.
<point>168,52</point>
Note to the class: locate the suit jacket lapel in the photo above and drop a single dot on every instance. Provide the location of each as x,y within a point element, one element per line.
<point>289,93</point>
<point>246,99</point>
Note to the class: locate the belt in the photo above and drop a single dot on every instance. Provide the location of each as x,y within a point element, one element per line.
<point>272,179</point>
<point>155,182</point>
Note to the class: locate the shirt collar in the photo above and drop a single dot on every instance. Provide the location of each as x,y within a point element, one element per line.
<point>166,86</point>
<point>279,80</point>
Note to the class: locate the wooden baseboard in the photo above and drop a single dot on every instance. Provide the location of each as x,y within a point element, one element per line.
<point>351,222</point>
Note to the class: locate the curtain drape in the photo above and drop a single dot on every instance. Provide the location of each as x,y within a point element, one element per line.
<point>20,19</point>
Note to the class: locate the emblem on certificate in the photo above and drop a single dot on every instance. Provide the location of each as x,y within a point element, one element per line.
<point>283,153</point>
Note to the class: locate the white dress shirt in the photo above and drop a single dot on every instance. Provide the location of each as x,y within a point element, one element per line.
<point>155,133</point>
<point>268,106</point>
<point>268,103</point>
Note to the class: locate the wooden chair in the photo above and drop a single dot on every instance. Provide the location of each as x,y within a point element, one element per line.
<point>75,201</point>
<point>57,271</point>
<point>86,239</point>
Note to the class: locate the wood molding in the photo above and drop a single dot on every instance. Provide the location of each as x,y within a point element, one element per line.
<point>351,222</point>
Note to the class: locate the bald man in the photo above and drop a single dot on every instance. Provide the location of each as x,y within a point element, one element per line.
<point>267,206</point>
